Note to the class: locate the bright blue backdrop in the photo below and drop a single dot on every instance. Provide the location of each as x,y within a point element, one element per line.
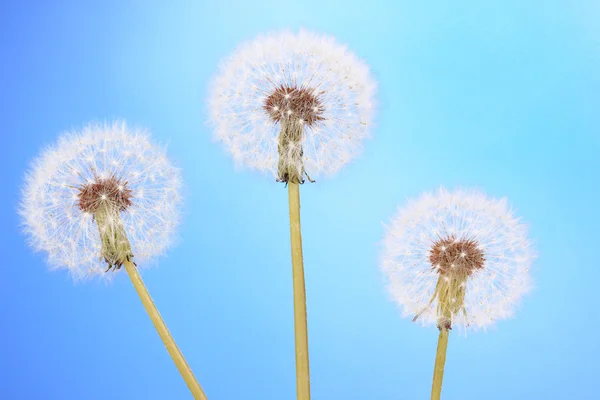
<point>502,96</point>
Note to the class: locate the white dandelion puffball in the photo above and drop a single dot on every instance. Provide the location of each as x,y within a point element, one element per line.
<point>292,100</point>
<point>457,259</point>
<point>99,197</point>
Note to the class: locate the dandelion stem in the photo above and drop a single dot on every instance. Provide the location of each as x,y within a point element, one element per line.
<point>163,331</point>
<point>300,324</point>
<point>440,361</point>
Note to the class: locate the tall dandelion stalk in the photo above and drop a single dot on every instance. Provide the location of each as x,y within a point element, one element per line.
<point>297,105</point>
<point>97,198</point>
<point>456,259</point>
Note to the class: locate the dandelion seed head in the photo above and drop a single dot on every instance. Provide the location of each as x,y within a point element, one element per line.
<point>463,250</point>
<point>285,78</point>
<point>80,202</point>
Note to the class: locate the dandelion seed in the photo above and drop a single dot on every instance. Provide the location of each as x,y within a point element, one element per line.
<point>467,237</point>
<point>299,80</point>
<point>310,89</point>
<point>108,196</point>
<point>92,183</point>
<point>458,254</point>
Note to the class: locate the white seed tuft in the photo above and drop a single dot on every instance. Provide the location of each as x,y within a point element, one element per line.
<point>490,293</point>
<point>50,208</point>
<point>339,80</point>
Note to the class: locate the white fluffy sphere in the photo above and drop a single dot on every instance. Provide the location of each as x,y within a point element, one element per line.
<point>51,204</point>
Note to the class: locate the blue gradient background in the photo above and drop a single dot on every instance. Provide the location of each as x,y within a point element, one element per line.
<point>502,96</point>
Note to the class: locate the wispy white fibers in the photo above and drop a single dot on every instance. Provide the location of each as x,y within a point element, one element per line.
<point>492,289</point>
<point>339,85</point>
<point>59,225</point>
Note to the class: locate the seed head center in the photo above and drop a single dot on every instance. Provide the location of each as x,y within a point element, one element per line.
<point>456,257</point>
<point>292,103</point>
<point>110,191</point>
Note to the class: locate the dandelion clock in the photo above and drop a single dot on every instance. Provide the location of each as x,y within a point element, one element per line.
<point>456,259</point>
<point>100,199</point>
<point>296,106</point>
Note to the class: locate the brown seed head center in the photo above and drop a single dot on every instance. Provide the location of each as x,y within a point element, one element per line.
<point>456,257</point>
<point>110,191</point>
<point>288,103</point>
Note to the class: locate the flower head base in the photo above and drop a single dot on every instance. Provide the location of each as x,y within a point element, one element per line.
<point>457,258</point>
<point>111,193</point>
<point>115,249</point>
<point>292,104</point>
<point>98,197</point>
<point>290,167</point>
<point>288,103</point>
<point>105,199</point>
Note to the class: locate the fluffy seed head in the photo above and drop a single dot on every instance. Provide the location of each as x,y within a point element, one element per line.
<point>101,195</point>
<point>295,79</point>
<point>457,259</point>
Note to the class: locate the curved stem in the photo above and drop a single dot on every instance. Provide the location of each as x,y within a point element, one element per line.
<point>440,361</point>
<point>163,331</point>
<point>300,325</point>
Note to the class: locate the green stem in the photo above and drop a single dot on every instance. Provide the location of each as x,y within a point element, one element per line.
<point>300,324</point>
<point>440,362</point>
<point>163,332</point>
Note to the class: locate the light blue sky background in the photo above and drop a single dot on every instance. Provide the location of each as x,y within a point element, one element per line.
<point>502,96</point>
